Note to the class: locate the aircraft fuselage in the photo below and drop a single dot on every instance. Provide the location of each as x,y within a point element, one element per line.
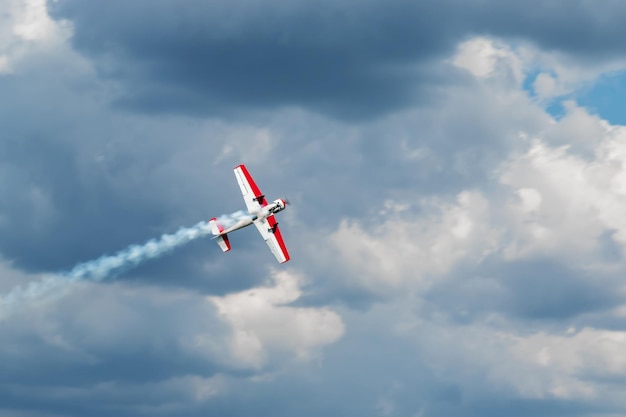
<point>270,209</point>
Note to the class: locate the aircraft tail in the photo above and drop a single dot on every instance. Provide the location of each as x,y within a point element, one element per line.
<point>222,239</point>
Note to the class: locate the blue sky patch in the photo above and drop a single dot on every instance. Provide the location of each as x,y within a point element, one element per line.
<point>606,98</point>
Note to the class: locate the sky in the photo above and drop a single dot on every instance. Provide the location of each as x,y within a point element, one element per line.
<point>457,174</point>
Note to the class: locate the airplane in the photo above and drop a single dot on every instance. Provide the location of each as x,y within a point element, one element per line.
<point>260,213</point>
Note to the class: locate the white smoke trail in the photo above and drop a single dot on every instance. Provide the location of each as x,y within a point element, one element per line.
<point>228,220</point>
<point>110,266</point>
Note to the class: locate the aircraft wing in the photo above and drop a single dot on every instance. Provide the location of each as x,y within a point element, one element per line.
<point>251,194</point>
<point>268,228</point>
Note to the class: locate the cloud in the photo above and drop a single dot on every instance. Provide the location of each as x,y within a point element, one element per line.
<point>445,229</point>
<point>414,248</point>
<point>261,321</point>
<point>175,349</point>
<point>27,30</point>
<point>548,200</point>
<point>265,56</point>
<point>353,60</point>
<point>583,356</point>
<point>482,56</point>
<point>62,354</point>
<point>565,202</point>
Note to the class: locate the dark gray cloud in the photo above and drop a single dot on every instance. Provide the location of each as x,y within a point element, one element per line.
<point>351,60</point>
<point>582,28</point>
<point>218,57</point>
<point>122,344</point>
<point>537,289</point>
<point>348,60</point>
<point>78,185</point>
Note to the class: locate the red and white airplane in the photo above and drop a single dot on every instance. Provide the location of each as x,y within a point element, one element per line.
<point>260,213</point>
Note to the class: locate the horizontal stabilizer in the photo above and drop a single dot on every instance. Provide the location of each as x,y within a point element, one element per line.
<point>223,242</point>
<point>222,239</point>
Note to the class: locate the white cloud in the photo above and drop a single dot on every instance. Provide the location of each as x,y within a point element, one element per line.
<point>31,20</point>
<point>557,74</point>
<point>512,360</point>
<point>573,364</point>
<point>548,86</point>
<point>578,129</point>
<point>555,197</point>
<point>566,201</point>
<point>410,248</point>
<point>26,28</point>
<point>560,74</point>
<point>561,197</point>
<point>262,321</point>
<point>485,58</point>
<point>483,359</point>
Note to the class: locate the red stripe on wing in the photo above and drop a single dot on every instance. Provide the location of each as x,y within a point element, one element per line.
<point>255,189</point>
<point>279,238</point>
